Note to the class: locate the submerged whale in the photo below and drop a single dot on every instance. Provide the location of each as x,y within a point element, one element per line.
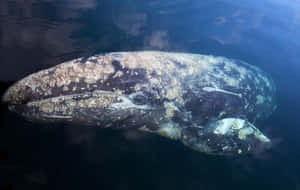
<point>208,103</point>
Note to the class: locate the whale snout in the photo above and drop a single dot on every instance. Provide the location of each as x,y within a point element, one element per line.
<point>38,100</point>
<point>17,94</point>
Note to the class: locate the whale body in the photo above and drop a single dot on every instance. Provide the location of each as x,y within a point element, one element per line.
<point>209,103</point>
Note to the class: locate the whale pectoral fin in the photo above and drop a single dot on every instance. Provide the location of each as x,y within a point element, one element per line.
<point>228,136</point>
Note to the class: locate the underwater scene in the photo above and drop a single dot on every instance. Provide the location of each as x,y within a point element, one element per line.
<point>159,94</point>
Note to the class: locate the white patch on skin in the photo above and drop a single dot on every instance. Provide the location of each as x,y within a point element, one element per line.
<point>170,130</point>
<point>58,116</point>
<point>215,89</point>
<point>243,133</point>
<point>126,103</point>
<point>261,136</point>
<point>259,99</point>
<point>221,113</point>
<point>231,81</point>
<point>227,124</point>
<point>226,148</point>
<point>170,109</point>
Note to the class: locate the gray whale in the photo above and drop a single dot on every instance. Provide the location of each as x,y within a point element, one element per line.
<point>208,103</point>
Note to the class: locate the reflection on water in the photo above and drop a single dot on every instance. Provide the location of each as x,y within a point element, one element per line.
<point>43,29</point>
<point>36,34</point>
<point>54,31</point>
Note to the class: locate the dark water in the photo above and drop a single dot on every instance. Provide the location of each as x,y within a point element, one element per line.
<point>36,34</point>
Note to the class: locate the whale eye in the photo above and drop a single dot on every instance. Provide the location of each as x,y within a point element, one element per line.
<point>140,99</point>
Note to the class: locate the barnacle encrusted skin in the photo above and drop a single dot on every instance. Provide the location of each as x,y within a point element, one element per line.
<point>241,89</point>
<point>219,86</point>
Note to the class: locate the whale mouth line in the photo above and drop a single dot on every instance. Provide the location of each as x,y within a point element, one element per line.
<point>58,107</point>
<point>17,96</point>
<point>71,106</point>
<point>64,107</point>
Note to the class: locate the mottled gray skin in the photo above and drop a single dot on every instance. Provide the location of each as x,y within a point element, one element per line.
<point>208,103</point>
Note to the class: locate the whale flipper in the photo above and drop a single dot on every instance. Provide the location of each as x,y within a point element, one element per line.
<point>227,136</point>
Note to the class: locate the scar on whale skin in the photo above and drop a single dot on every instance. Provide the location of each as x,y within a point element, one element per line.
<point>215,89</point>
